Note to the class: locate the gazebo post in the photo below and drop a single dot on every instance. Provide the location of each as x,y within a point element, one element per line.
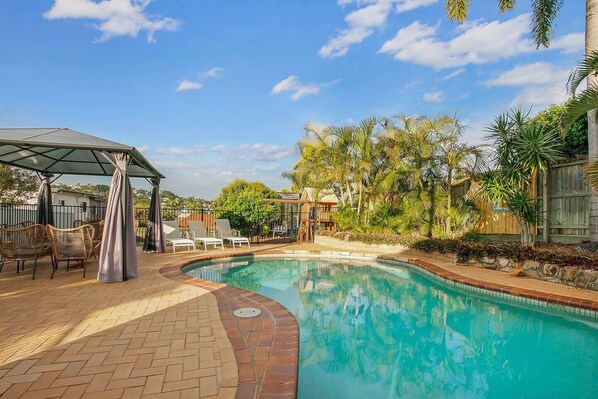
<point>154,236</point>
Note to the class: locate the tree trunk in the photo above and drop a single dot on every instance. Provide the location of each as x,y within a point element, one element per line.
<point>591,46</point>
<point>359,201</point>
<point>340,188</point>
<point>350,193</point>
<point>432,210</point>
<point>527,239</point>
<point>449,204</point>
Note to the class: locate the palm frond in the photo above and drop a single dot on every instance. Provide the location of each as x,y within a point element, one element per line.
<point>544,13</point>
<point>591,172</point>
<point>582,104</point>
<point>537,147</point>
<point>506,5</point>
<point>584,68</point>
<point>457,9</point>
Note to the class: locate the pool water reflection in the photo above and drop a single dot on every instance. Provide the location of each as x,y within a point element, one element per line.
<point>380,330</point>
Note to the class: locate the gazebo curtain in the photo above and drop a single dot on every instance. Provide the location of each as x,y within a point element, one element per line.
<point>154,238</point>
<point>118,257</point>
<point>45,211</point>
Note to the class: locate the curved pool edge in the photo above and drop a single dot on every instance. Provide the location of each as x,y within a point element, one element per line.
<point>273,373</point>
<point>266,347</point>
<point>567,303</point>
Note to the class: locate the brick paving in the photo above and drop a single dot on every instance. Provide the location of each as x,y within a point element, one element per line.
<point>168,335</point>
<point>76,338</point>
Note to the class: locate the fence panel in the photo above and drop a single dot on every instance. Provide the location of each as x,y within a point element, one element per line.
<point>568,208</point>
<point>284,224</point>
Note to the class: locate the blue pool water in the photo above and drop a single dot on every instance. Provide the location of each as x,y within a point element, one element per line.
<point>384,330</point>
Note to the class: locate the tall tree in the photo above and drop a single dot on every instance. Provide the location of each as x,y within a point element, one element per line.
<point>544,13</point>
<point>521,149</point>
<point>16,185</point>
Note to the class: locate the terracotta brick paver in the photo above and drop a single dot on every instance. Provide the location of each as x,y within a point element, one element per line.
<point>74,337</point>
<point>168,335</point>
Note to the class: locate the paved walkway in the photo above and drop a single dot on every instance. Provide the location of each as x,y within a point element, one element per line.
<point>150,337</point>
<point>74,337</point>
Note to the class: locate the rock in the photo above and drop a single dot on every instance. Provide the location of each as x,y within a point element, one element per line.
<point>593,286</point>
<point>531,273</point>
<point>584,277</point>
<point>531,265</point>
<point>517,273</point>
<point>507,270</point>
<point>569,273</point>
<point>503,262</point>
<point>550,270</point>
<point>487,260</point>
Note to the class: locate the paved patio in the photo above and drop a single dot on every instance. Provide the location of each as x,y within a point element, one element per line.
<point>159,336</point>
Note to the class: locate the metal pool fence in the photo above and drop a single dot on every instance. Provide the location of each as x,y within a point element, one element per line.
<point>280,225</point>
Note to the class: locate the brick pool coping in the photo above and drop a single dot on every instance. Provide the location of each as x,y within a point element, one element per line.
<point>267,346</point>
<point>505,289</point>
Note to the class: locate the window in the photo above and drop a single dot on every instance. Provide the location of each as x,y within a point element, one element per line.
<point>83,206</point>
<point>61,202</point>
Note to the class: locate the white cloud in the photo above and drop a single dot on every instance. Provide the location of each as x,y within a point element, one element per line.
<point>454,74</point>
<point>269,153</point>
<point>434,97</point>
<point>212,73</point>
<point>179,151</point>
<point>408,5</point>
<point>306,91</point>
<point>256,152</point>
<point>538,73</point>
<point>571,43</point>
<point>299,90</point>
<point>540,84</point>
<point>143,148</point>
<point>115,17</point>
<point>477,43</point>
<point>188,85</point>
<point>362,22</point>
<point>288,84</point>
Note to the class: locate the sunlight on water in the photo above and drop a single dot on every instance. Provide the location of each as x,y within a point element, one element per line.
<point>370,330</point>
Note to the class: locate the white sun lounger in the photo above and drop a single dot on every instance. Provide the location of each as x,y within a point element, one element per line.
<point>198,233</point>
<point>224,231</point>
<point>172,235</point>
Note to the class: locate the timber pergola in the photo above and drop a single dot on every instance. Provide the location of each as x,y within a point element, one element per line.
<point>52,152</point>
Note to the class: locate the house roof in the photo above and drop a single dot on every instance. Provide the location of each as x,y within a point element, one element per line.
<point>82,193</point>
<point>65,151</point>
<point>325,195</point>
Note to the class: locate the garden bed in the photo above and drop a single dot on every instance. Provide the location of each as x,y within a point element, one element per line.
<point>550,262</point>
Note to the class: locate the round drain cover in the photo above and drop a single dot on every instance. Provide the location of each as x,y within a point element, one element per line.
<point>247,312</point>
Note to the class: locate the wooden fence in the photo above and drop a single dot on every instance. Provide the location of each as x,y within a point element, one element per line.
<point>566,211</point>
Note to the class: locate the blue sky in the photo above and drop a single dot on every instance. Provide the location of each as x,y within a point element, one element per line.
<point>212,90</point>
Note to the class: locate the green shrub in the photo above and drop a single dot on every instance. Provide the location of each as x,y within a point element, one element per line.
<point>465,251</point>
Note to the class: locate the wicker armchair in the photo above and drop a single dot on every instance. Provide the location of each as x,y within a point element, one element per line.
<point>74,244</point>
<point>98,232</point>
<point>22,244</point>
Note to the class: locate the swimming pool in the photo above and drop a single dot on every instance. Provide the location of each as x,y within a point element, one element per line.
<point>386,330</point>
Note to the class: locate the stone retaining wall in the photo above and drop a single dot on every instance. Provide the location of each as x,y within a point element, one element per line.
<point>567,275</point>
<point>357,246</point>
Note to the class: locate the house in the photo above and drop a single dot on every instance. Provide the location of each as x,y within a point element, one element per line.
<point>81,205</point>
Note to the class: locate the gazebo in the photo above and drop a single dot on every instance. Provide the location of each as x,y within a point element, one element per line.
<point>53,152</point>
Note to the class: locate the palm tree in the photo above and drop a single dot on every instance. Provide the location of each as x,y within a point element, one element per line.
<point>521,150</point>
<point>585,102</point>
<point>544,13</point>
<point>457,158</point>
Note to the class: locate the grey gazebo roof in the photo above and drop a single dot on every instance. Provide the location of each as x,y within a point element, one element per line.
<point>65,151</point>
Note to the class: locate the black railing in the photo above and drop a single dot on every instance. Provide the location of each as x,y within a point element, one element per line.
<point>281,225</point>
